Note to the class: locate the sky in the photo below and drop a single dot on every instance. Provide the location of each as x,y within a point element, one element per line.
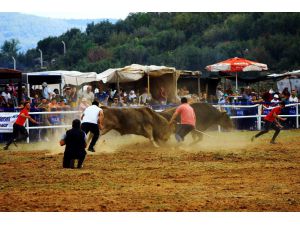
<point>119,9</point>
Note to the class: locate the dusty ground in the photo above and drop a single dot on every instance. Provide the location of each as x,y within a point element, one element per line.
<point>225,173</point>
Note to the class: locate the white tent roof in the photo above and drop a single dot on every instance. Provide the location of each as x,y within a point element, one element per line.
<point>69,77</point>
<point>133,72</point>
<point>292,73</point>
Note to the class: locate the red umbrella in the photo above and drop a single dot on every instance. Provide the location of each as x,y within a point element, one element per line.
<point>236,65</point>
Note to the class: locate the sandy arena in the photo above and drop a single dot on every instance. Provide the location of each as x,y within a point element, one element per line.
<point>224,173</point>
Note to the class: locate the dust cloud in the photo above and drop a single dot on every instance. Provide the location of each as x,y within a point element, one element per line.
<point>226,142</point>
<point>213,141</point>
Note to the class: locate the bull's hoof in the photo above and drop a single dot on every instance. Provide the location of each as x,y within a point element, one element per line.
<point>155,145</point>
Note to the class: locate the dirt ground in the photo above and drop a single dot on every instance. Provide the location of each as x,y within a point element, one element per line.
<point>226,172</point>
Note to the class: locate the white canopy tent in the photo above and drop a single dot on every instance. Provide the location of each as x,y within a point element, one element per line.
<point>58,77</point>
<point>133,72</point>
<point>68,77</point>
<point>136,72</point>
<point>292,73</point>
<point>290,80</point>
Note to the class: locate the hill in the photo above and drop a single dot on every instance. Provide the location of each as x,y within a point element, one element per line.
<point>184,40</point>
<point>29,29</point>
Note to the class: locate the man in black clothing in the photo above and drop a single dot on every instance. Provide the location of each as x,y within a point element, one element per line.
<point>75,141</point>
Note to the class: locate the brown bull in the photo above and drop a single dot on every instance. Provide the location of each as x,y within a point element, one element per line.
<point>139,121</point>
<point>206,116</point>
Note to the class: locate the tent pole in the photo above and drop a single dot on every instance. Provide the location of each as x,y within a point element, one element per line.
<point>199,85</point>
<point>118,83</point>
<point>148,83</point>
<point>290,84</point>
<point>28,90</point>
<point>236,83</point>
<point>175,83</point>
<point>60,89</point>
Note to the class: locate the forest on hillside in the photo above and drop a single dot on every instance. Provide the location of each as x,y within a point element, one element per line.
<point>183,40</point>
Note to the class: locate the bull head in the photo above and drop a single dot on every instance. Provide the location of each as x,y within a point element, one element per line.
<point>225,121</point>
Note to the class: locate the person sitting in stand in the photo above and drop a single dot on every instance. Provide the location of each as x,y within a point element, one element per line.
<point>293,97</point>
<point>75,142</point>
<point>57,96</point>
<point>286,92</point>
<point>6,94</point>
<point>275,100</point>
<point>102,97</point>
<point>162,96</point>
<point>116,103</point>
<point>145,98</point>
<point>54,118</point>
<point>255,100</point>
<point>131,96</point>
<point>47,92</point>
<point>88,94</point>
<point>285,97</point>
<point>219,93</point>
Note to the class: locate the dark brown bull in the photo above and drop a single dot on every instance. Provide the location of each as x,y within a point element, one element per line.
<point>139,121</point>
<point>206,116</point>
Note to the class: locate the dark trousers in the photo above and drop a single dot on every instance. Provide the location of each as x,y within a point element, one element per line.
<point>182,131</point>
<point>69,161</point>
<point>269,125</point>
<point>17,129</point>
<point>94,129</point>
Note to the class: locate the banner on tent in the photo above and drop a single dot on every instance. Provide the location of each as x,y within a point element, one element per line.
<point>289,83</point>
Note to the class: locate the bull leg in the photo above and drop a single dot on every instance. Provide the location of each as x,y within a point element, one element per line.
<point>148,133</point>
<point>154,143</point>
<point>196,137</point>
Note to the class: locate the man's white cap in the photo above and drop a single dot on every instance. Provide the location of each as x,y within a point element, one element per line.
<point>276,96</point>
<point>44,84</point>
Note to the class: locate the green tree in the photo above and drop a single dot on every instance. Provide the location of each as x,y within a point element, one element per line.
<point>10,47</point>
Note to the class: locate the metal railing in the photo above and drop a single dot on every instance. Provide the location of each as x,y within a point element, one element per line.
<point>258,116</point>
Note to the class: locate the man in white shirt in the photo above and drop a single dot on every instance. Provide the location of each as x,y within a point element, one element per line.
<point>47,92</point>
<point>219,93</point>
<point>92,121</point>
<point>88,94</point>
<point>6,95</point>
<point>293,97</point>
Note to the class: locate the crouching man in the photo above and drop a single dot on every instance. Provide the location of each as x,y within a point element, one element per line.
<point>75,141</point>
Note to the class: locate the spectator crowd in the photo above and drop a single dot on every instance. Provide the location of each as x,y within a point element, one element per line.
<point>71,98</point>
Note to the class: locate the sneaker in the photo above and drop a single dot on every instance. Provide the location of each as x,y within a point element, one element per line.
<point>252,139</point>
<point>5,147</point>
<point>91,149</point>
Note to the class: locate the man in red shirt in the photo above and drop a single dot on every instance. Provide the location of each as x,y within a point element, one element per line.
<point>18,126</point>
<point>188,119</point>
<point>271,121</point>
